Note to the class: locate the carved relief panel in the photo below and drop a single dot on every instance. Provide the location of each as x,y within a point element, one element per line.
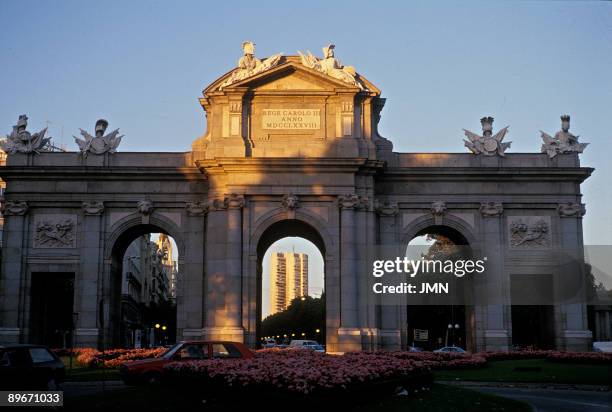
<point>54,231</point>
<point>529,232</point>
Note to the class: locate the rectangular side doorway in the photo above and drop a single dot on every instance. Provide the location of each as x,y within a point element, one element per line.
<point>52,299</point>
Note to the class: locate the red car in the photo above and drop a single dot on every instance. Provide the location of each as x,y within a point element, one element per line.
<point>150,370</point>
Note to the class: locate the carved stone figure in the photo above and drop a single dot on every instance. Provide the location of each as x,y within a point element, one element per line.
<point>249,65</point>
<point>487,144</point>
<point>331,66</point>
<point>563,142</point>
<point>55,232</point>
<point>21,141</point>
<point>145,207</point>
<point>386,208</point>
<point>196,208</point>
<point>491,209</point>
<point>529,232</point>
<point>93,208</point>
<point>290,202</point>
<point>14,208</point>
<point>438,208</point>
<point>350,201</point>
<point>570,209</point>
<point>234,201</point>
<point>99,144</point>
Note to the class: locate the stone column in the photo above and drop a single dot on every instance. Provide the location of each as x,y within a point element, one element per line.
<point>349,333</point>
<point>216,236</point>
<point>390,316</point>
<point>572,331</point>
<point>496,334</point>
<point>87,281</point>
<point>12,283</point>
<point>224,270</point>
<point>233,260</point>
<point>190,292</point>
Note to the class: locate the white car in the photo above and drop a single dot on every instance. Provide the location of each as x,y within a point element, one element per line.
<point>269,343</point>
<point>454,349</point>
<point>602,346</point>
<point>306,344</point>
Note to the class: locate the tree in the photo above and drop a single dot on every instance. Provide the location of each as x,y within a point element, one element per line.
<point>304,315</point>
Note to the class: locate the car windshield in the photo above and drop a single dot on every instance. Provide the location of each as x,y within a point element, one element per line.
<point>168,353</point>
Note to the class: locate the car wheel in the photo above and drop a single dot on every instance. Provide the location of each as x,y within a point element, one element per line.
<point>52,385</point>
<point>152,378</point>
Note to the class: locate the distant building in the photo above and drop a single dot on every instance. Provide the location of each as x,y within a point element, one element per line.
<point>288,279</point>
<point>149,277</point>
<point>169,264</point>
<point>2,188</point>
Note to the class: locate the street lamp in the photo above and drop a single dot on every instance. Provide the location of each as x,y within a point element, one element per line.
<point>75,319</point>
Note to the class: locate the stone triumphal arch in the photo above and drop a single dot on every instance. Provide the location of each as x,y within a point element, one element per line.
<point>291,149</point>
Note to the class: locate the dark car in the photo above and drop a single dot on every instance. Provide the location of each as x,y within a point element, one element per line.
<point>150,370</point>
<point>30,367</point>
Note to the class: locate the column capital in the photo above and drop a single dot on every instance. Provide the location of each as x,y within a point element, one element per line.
<point>386,208</point>
<point>234,201</point>
<point>198,208</point>
<point>92,208</point>
<point>351,201</point>
<point>570,209</point>
<point>491,209</point>
<point>14,207</point>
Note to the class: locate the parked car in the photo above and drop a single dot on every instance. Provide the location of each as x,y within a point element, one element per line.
<point>455,349</point>
<point>602,346</point>
<point>269,343</point>
<point>150,370</point>
<point>30,367</point>
<point>306,344</point>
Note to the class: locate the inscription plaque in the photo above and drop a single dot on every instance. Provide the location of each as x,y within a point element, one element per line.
<point>291,119</point>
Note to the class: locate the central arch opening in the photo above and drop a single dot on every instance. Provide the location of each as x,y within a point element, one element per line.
<point>290,284</point>
<point>143,289</point>
<point>433,324</point>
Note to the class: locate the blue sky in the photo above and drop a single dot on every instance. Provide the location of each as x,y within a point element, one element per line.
<point>441,65</point>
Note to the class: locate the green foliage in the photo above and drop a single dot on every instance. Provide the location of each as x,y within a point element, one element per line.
<point>304,315</point>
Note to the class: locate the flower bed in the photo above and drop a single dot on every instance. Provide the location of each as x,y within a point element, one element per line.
<point>580,357</point>
<point>301,373</point>
<point>112,358</point>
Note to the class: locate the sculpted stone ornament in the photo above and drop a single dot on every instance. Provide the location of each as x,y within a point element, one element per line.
<point>331,66</point>
<point>249,65</point>
<point>529,233</point>
<point>93,208</point>
<point>98,144</point>
<point>14,208</point>
<point>487,144</point>
<point>145,207</point>
<point>570,209</point>
<point>386,208</point>
<point>438,208</point>
<point>290,202</point>
<point>196,208</point>
<point>348,201</point>
<point>491,209</point>
<point>234,201</point>
<point>55,233</point>
<point>563,142</point>
<point>21,141</point>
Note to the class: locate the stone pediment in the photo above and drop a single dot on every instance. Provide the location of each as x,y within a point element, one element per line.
<point>290,74</point>
<point>289,106</point>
